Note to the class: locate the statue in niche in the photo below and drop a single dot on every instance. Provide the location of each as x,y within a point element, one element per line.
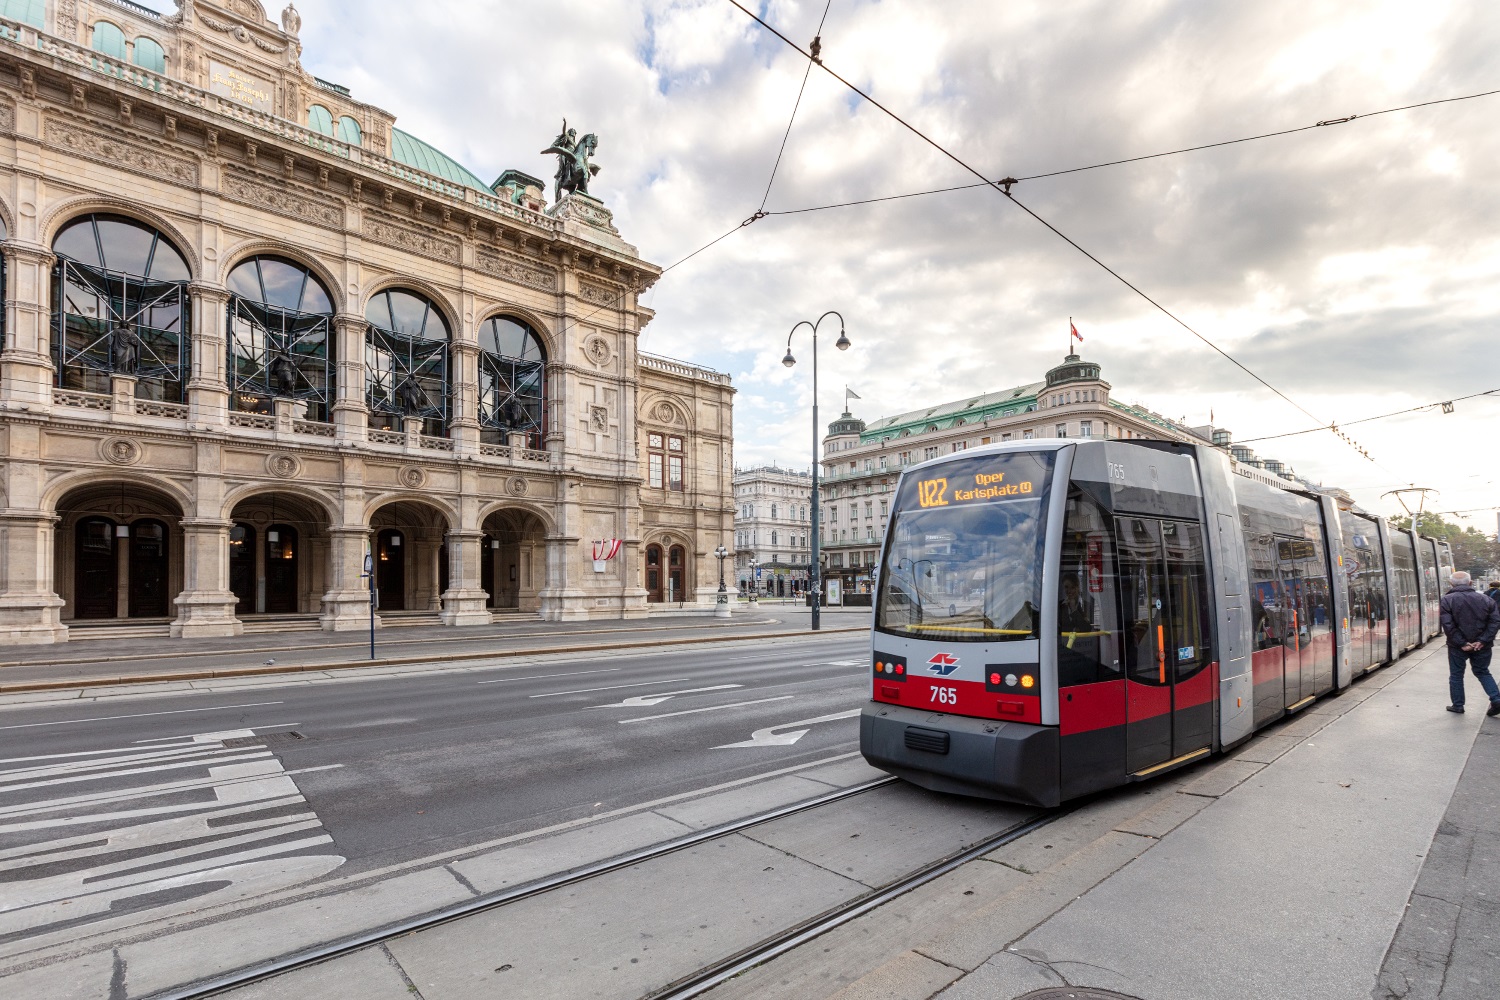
<point>513,414</point>
<point>410,396</point>
<point>291,20</point>
<point>124,350</point>
<point>573,167</point>
<point>283,375</point>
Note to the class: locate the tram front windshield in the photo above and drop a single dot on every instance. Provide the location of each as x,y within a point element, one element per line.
<point>964,554</point>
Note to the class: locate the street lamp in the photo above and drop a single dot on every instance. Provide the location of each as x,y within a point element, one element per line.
<point>721,605</point>
<point>754,582</point>
<point>814,583</point>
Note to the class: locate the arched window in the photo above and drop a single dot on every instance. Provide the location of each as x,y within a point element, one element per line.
<point>406,361</point>
<point>350,132</point>
<point>149,55</point>
<point>121,308</point>
<point>280,337</point>
<point>773,512</point>
<point>512,381</point>
<point>109,39</point>
<point>320,119</point>
<point>32,12</point>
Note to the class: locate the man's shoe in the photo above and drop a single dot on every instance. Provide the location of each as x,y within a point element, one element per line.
<point>1494,709</point>
<point>1456,708</point>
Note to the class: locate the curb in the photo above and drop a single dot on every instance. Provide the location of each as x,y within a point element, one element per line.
<point>200,675</point>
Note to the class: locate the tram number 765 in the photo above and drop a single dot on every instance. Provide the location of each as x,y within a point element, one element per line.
<point>943,695</point>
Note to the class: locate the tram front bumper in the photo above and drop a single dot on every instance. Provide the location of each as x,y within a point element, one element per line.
<point>986,758</point>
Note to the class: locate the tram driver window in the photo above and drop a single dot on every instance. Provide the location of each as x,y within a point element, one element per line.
<point>1088,627</point>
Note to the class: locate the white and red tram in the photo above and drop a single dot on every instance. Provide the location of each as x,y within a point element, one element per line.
<point>1054,618</point>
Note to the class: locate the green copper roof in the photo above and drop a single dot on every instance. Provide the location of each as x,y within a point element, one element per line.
<point>413,152</point>
<point>973,409</point>
<point>32,12</point>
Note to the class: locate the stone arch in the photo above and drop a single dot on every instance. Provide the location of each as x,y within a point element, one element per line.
<point>452,314</point>
<point>550,341</point>
<point>249,491</point>
<point>7,218</point>
<point>65,484</point>
<point>653,403</point>
<point>69,209</point>
<point>549,523</point>
<point>246,249</point>
<point>119,548</point>
<point>442,507</point>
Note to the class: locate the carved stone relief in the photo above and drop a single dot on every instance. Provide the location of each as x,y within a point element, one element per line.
<point>283,466</point>
<point>120,450</point>
<point>597,350</point>
<point>514,270</point>
<point>118,153</point>
<point>411,477</point>
<point>279,199</point>
<point>599,295</point>
<point>403,238</point>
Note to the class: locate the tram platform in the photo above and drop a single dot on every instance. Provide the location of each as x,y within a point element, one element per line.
<point>1351,852</point>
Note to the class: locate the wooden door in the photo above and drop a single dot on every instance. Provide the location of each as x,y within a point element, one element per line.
<point>95,569</point>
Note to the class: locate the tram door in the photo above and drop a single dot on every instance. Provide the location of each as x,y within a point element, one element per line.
<point>1306,619</point>
<point>1169,681</point>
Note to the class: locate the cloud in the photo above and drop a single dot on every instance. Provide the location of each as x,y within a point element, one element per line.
<point>1354,266</point>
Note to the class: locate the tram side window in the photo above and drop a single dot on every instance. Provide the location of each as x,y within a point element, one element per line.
<point>1142,598</point>
<point>1265,585</point>
<point>1088,626</point>
<point>1187,581</point>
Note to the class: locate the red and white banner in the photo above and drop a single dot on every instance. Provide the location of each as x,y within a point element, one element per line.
<point>607,548</point>
<point>1073,331</point>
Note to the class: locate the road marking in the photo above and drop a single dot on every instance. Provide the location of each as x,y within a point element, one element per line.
<point>613,687</point>
<point>711,708</point>
<point>768,737</point>
<point>144,715</point>
<point>844,663</point>
<point>647,700</point>
<point>539,677</point>
<point>82,860</point>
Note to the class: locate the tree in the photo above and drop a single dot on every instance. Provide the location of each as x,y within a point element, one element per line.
<point>1473,551</point>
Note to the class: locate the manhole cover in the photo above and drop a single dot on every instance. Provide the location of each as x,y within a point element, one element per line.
<point>269,739</point>
<point>1075,993</point>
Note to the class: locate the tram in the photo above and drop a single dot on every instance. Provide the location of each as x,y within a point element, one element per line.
<point>1054,618</point>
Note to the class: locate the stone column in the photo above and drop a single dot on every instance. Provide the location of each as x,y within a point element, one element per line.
<point>208,389</point>
<point>464,600</point>
<point>346,605</point>
<point>463,418</point>
<point>30,610</point>
<point>349,411</point>
<point>206,605</point>
<point>26,367</point>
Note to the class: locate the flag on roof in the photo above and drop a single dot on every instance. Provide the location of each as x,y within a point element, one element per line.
<point>1073,330</point>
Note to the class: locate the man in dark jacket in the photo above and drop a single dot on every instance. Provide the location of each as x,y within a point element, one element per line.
<point>1470,621</point>
<point>1494,592</point>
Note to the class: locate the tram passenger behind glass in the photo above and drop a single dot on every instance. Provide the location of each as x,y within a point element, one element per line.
<point>1078,635</point>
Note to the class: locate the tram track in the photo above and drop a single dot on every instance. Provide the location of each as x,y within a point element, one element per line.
<point>260,972</point>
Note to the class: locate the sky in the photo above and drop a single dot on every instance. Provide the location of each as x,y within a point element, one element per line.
<point>1356,267</point>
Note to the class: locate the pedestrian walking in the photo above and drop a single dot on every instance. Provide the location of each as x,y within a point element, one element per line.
<point>1470,621</point>
<point>1494,592</point>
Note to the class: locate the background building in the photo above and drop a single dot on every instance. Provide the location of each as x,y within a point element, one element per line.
<point>772,527</point>
<point>253,332</point>
<point>862,462</point>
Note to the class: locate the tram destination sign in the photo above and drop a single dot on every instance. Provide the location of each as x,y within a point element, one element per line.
<point>967,482</point>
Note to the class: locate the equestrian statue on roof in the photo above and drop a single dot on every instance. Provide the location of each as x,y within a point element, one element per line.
<point>573,167</point>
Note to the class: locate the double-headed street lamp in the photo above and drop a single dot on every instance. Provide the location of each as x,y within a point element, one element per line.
<point>815,586</point>
<point>721,605</point>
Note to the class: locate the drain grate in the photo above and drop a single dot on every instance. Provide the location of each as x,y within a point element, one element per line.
<point>269,739</point>
<point>1075,993</point>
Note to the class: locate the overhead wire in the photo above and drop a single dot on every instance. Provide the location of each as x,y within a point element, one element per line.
<point>1004,185</point>
<point>1381,416</point>
<point>797,104</point>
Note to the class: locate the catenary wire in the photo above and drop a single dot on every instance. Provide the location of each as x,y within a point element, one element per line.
<point>1003,186</point>
<point>797,104</point>
<point>1366,420</point>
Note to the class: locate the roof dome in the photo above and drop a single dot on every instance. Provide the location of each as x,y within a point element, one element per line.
<point>1073,369</point>
<point>408,149</point>
<point>846,424</point>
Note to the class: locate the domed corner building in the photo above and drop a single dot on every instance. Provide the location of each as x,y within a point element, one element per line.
<point>254,333</point>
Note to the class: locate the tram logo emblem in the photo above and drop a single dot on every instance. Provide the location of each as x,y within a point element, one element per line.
<point>942,663</point>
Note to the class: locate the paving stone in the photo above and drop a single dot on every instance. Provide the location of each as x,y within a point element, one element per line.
<point>1004,976</point>
<point>368,975</point>
<point>521,863</point>
<point>737,803</point>
<point>1076,830</point>
<point>1265,749</point>
<point>1165,816</point>
<point>86,978</point>
<point>909,976</point>
<point>1223,778</point>
<point>844,773</point>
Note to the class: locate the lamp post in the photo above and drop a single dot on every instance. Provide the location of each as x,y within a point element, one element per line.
<point>754,582</point>
<point>721,604</point>
<point>814,583</point>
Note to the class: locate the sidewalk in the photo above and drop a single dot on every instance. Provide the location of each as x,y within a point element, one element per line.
<point>131,661</point>
<point>1284,871</point>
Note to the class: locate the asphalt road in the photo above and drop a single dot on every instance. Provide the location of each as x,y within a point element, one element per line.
<point>99,800</point>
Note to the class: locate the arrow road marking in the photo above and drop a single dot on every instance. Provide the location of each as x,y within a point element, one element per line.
<point>646,700</point>
<point>711,708</point>
<point>769,737</point>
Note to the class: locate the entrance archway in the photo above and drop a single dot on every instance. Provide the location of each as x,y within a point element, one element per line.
<point>655,581</point>
<point>278,554</point>
<point>118,552</point>
<point>513,560</point>
<point>408,541</point>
